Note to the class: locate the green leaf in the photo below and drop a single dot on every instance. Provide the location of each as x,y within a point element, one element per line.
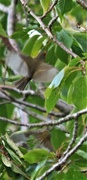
<point>72,173</point>
<point>85,55</point>
<point>65,37</point>
<point>37,169</point>
<point>79,95</point>
<point>14,156</point>
<point>61,54</point>
<point>81,153</point>
<point>18,170</point>
<point>57,79</point>
<point>51,55</point>
<point>37,155</point>
<point>14,93</point>
<point>10,109</point>
<point>50,101</point>
<point>57,138</point>
<point>6,161</point>
<point>55,83</point>
<point>37,46</point>
<point>13,146</point>
<point>2,31</point>
<point>69,95</point>
<point>74,61</point>
<point>19,34</point>
<point>27,49</point>
<point>3,112</point>
<point>52,92</point>
<point>64,6</point>
<point>45,4</point>
<point>82,40</point>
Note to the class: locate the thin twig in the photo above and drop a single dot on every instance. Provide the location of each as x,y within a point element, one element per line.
<point>65,119</point>
<point>63,160</point>
<point>61,105</point>
<point>50,8</point>
<point>73,137</point>
<point>24,93</point>
<point>49,34</point>
<point>34,106</point>
<point>52,22</point>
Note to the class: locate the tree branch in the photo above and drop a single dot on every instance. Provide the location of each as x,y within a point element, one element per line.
<point>67,118</point>
<point>64,159</point>
<point>52,21</point>
<point>3,8</point>
<point>34,106</point>
<point>50,8</point>
<point>73,137</point>
<point>82,4</point>
<point>47,30</point>
<point>10,10</point>
<point>61,105</point>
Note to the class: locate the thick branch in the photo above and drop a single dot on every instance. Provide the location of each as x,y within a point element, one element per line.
<point>82,4</point>
<point>10,10</point>
<point>3,8</point>
<point>10,24</point>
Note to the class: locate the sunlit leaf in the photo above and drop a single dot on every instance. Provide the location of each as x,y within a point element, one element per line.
<point>27,49</point>
<point>81,153</point>
<point>79,95</point>
<point>14,156</point>
<point>45,4</point>
<point>13,145</point>
<point>37,155</point>
<point>57,79</point>
<point>6,161</point>
<point>52,92</point>
<point>52,98</point>
<point>37,46</point>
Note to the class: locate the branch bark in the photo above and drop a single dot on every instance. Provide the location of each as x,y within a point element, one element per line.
<point>64,159</point>
<point>65,119</point>
<point>82,3</point>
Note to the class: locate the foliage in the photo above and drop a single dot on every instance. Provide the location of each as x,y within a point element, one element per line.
<point>28,153</point>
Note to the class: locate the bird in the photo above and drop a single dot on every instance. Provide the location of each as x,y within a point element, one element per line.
<point>30,68</point>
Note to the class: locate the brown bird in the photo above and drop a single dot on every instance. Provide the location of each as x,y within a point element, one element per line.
<point>30,68</point>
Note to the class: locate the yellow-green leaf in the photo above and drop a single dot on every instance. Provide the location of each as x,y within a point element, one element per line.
<point>45,4</point>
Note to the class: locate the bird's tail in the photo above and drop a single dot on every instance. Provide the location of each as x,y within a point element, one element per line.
<point>21,83</point>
